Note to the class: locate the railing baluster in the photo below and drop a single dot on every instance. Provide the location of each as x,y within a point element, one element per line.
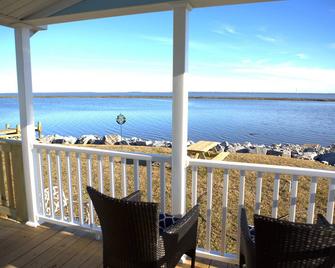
<point>258,199</point>
<point>112,178</point>
<point>162,186</point>
<point>9,179</point>
<point>51,198</point>
<point>80,194</point>
<point>69,181</point>
<point>275,197</point>
<point>331,201</point>
<point>209,208</point>
<point>240,205</point>
<point>224,209</point>
<point>123,177</point>
<point>149,181</point>
<point>194,185</point>
<point>60,185</point>
<point>101,174</point>
<point>41,180</point>
<point>311,204</point>
<point>293,199</point>
<point>89,175</point>
<point>242,189</point>
<point>2,182</point>
<point>136,175</point>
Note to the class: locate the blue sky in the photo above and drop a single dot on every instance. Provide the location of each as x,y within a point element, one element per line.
<point>284,46</point>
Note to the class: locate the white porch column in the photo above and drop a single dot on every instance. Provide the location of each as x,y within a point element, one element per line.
<point>180,108</point>
<point>23,65</point>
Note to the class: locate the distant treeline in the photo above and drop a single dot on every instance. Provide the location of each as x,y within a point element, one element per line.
<point>169,97</point>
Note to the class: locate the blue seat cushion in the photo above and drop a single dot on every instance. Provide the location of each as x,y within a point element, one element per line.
<point>166,220</point>
<point>252,232</point>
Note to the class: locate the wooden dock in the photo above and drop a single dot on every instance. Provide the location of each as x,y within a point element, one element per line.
<point>55,246</point>
<point>9,133</point>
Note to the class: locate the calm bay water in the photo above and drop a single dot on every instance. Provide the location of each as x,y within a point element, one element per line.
<point>257,121</point>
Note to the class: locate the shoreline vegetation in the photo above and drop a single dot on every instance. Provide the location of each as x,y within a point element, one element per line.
<point>170,97</point>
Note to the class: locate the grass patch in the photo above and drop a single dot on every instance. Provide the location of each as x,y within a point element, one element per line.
<point>234,177</point>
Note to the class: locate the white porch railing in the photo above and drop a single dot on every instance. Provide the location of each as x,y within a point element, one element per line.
<point>260,169</point>
<point>60,169</point>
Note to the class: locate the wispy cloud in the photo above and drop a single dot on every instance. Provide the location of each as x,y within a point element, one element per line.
<point>262,28</point>
<point>332,45</point>
<point>159,39</point>
<point>266,38</point>
<point>225,29</point>
<point>168,41</point>
<point>302,56</point>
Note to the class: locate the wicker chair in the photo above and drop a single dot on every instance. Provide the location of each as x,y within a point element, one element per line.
<point>280,243</point>
<point>131,234</point>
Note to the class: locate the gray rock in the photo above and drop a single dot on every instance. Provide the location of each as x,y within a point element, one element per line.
<point>258,150</point>
<point>243,150</point>
<point>311,148</point>
<point>123,142</point>
<point>57,139</point>
<point>111,139</point>
<point>332,148</point>
<point>168,144</point>
<point>276,146</point>
<point>247,144</point>
<point>274,152</point>
<point>219,148</point>
<point>142,143</point>
<point>225,144</point>
<point>286,153</point>
<point>48,139</point>
<point>159,144</point>
<point>329,157</point>
<point>87,139</point>
<point>230,148</point>
<point>308,155</point>
<point>295,154</point>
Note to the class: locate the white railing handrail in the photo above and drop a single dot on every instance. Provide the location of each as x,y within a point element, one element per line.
<point>86,150</point>
<point>263,168</point>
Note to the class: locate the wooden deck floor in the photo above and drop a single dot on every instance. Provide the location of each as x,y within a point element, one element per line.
<point>55,246</point>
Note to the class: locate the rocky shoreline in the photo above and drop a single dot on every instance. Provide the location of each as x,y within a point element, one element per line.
<point>314,152</point>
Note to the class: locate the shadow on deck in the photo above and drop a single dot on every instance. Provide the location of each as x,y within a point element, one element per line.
<point>55,246</point>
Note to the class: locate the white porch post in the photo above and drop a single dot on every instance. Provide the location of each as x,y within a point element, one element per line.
<point>23,65</point>
<point>180,108</point>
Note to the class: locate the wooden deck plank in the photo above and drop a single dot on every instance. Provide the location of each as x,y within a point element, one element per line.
<point>21,249</point>
<point>51,246</point>
<point>82,256</point>
<point>37,250</point>
<point>96,258</point>
<point>73,250</point>
<point>16,239</point>
<point>5,232</point>
<point>45,257</point>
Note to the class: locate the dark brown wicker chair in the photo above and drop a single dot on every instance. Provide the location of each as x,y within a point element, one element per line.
<point>131,234</point>
<point>280,243</point>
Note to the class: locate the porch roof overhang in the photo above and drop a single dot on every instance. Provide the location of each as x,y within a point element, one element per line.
<point>36,13</point>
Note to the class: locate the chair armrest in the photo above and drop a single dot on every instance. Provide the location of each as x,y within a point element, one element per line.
<point>247,245</point>
<point>245,226</point>
<point>182,226</point>
<point>321,220</point>
<point>133,197</point>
